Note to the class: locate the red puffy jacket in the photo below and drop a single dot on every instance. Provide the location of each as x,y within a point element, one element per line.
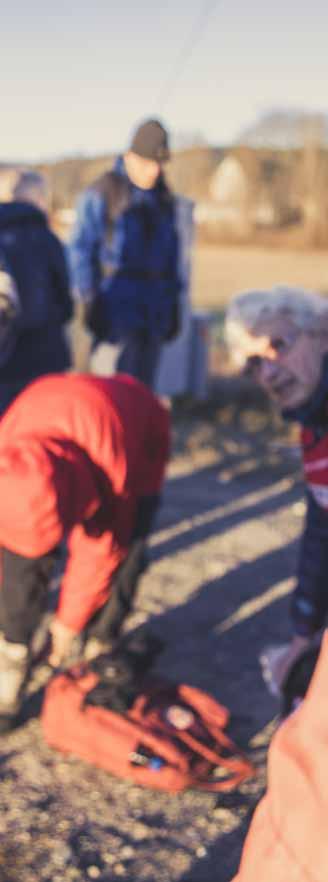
<point>287,841</point>
<point>76,454</point>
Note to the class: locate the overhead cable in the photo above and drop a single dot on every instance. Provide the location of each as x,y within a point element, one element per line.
<point>187,49</point>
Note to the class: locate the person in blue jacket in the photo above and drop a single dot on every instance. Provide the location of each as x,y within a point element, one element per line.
<point>34,259</point>
<point>124,255</point>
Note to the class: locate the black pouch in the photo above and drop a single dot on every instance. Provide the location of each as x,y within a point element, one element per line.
<point>298,680</point>
<point>121,672</point>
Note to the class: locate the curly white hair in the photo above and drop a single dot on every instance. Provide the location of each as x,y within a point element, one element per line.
<point>252,312</point>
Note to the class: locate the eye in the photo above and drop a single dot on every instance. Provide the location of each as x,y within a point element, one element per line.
<point>252,365</point>
<point>278,344</point>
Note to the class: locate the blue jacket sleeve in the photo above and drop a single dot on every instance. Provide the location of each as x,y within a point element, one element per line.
<point>84,246</point>
<point>310,599</point>
<point>60,276</point>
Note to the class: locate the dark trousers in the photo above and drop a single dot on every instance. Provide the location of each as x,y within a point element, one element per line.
<point>138,356</point>
<point>106,624</point>
<point>23,593</point>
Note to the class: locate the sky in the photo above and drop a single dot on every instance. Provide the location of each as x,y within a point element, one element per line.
<point>76,77</point>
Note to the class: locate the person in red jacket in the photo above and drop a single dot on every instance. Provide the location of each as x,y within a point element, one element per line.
<point>82,459</point>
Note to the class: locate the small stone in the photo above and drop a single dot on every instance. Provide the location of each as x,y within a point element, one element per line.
<point>109,858</point>
<point>119,870</point>
<point>127,852</point>
<point>140,832</point>
<point>64,825</point>
<point>93,872</point>
<point>25,836</point>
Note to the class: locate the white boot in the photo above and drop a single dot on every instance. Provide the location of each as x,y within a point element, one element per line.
<point>14,668</point>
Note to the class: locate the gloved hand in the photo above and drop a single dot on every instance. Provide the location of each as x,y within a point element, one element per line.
<point>62,639</point>
<point>276,662</point>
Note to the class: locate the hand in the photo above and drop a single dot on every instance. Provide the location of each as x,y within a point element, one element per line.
<point>276,662</point>
<point>62,639</point>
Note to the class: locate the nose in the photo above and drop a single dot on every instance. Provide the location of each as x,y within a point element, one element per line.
<point>268,370</point>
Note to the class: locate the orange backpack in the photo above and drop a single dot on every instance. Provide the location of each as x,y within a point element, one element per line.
<point>142,744</point>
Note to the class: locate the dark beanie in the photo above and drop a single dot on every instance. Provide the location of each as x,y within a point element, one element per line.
<point>151,141</point>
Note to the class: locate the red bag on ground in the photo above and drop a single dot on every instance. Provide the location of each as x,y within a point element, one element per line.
<point>142,744</point>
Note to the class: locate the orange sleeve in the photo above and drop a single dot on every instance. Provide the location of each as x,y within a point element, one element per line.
<point>86,582</point>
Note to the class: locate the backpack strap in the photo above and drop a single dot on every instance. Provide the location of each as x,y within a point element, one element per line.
<point>116,192</point>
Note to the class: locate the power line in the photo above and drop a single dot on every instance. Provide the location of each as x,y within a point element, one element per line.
<point>186,51</point>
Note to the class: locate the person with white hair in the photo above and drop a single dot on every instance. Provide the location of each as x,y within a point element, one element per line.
<point>280,339</point>
<point>35,261</point>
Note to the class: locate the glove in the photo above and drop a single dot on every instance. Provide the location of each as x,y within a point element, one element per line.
<point>276,662</point>
<point>62,639</point>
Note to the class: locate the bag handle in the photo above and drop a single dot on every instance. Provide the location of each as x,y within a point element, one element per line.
<point>240,767</point>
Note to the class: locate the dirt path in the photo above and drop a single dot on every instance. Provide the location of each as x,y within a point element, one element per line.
<point>217,590</point>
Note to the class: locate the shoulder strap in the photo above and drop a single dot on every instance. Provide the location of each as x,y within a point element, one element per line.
<point>115,190</point>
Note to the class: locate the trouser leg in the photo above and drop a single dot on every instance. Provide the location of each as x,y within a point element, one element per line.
<point>23,594</point>
<point>107,623</point>
<point>140,358</point>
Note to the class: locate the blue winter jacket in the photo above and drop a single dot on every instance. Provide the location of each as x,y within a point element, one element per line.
<point>310,599</point>
<point>133,273</point>
<point>36,259</point>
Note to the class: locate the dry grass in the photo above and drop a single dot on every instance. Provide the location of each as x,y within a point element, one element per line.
<point>221,271</point>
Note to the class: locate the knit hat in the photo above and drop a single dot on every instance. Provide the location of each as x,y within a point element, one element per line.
<point>151,141</point>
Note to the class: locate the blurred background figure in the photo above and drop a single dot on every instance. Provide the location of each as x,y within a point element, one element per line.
<point>35,261</point>
<point>125,256</point>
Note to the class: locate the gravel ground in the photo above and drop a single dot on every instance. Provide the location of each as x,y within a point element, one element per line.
<point>217,591</point>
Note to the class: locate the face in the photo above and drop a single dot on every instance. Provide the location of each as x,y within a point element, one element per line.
<point>144,173</point>
<point>285,361</point>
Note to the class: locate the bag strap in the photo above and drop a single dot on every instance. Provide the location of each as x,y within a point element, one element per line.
<point>240,767</point>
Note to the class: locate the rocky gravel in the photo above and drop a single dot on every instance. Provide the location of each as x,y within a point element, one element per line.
<point>222,559</point>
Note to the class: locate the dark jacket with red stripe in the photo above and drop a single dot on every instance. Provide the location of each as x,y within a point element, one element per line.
<point>77,455</point>
<point>310,600</point>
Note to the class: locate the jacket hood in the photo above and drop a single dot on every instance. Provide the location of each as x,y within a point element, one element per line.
<point>48,487</point>
<point>12,213</point>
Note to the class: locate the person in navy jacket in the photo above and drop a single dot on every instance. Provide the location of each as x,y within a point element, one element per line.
<point>35,259</point>
<point>124,255</point>
<point>280,338</point>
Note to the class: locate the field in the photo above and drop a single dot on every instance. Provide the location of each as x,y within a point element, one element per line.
<point>219,272</point>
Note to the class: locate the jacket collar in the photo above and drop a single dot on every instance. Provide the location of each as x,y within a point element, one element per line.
<point>313,413</point>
